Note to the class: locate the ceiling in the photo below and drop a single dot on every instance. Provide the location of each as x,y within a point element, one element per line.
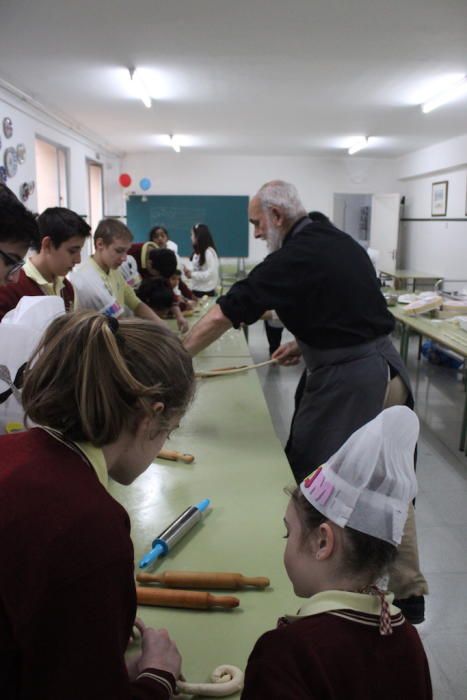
<point>243,77</point>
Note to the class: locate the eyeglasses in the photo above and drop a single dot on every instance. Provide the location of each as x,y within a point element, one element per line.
<point>13,262</point>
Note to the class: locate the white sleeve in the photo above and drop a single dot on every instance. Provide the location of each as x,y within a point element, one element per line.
<point>210,271</point>
<point>90,289</point>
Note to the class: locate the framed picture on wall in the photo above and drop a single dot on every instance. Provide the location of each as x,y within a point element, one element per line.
<point>439,198</point>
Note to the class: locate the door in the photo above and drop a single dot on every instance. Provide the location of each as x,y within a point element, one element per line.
<point>51,175</point>
<point>384,236</point>
<point>96,199</point>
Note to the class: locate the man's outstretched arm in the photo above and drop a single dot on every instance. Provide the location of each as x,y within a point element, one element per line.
<point>207,330</point>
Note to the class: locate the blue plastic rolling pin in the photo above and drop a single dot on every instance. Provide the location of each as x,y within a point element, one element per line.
<point>174,533</point>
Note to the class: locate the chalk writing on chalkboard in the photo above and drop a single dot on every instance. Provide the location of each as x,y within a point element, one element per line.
<point>226,216</point>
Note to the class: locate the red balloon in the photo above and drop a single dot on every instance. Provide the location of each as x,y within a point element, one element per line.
<point>124,180</point>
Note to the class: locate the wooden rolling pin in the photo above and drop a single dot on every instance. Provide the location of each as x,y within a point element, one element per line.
<point>203,579</point>
<point>199,600</point>
<point>175,456</point>
<point>228,369</point>
<point>221,371</point>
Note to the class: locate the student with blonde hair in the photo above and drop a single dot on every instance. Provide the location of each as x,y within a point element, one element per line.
<point>104,396</point>
<point>99,282</point>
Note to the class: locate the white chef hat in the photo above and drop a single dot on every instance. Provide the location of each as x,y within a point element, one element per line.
<point>369,482</point>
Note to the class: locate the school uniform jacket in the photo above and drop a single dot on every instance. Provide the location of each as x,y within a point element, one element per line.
<point>10,294</point>
<point>334,651</point>
<point>67,592</point>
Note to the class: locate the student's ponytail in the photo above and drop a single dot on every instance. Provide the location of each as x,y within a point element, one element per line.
<point>92,377</point>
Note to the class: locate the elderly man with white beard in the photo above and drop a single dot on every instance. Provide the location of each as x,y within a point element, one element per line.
<point>324,289</point>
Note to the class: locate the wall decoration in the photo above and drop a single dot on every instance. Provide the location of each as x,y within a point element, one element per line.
<point>10,161</point>
<point>145,184</point>
<point>8,127</point>
<point>24,192</point>
<point>21,153</point>
<point>124,180</point>
<point>439,198</point>
<point>32,187</point>
<point>3,175</point>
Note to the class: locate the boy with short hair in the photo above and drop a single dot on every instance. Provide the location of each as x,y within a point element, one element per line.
<point>62,234</point>
<point>18,231</point>
<point>99,282</point>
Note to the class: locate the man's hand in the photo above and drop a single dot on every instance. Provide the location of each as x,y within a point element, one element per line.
<point>287,354</point>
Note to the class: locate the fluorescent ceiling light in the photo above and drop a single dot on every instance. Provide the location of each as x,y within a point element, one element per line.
<point>174,142</point>
<point>358,144</point>
<point>140,87</point>
<point>449,94</point>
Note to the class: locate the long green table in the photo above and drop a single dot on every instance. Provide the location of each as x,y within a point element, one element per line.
<point>443,333</point>
<point>241,467</point>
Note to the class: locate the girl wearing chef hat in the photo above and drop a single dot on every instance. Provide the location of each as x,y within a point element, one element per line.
<point>343,525</point>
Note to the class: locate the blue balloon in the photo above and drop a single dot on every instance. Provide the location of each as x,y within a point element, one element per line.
<point>145,184</point>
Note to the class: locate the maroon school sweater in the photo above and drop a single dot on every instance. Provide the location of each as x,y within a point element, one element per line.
<point>67,593</point>
<point>338,655</point>
<point>11,293</point>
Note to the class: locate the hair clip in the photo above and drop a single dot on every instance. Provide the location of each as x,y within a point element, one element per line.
<point>113,324</point>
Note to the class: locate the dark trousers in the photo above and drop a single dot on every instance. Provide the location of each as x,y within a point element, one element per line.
<point>274,336</point>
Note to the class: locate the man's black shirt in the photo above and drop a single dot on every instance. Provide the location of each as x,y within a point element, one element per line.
<point>322,285</point>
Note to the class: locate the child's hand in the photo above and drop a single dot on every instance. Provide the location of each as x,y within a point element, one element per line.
<point>158,652</point>
<point>183,325</point>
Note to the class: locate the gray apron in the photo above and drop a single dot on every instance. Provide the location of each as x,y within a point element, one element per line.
<point>344,389</point>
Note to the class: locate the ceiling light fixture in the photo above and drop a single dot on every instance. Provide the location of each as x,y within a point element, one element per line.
<point>174,143</point>
<point>449,94</point>
<point>358,144</point>
<point>140,87</point>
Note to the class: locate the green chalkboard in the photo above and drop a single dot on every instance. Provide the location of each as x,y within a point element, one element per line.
<point>227,218</point>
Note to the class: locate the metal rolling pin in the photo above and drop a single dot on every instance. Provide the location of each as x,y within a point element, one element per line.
<point>174,533</point>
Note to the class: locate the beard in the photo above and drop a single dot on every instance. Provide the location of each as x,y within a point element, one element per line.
<point>274,238</point>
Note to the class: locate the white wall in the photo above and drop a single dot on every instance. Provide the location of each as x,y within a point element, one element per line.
<point>317,179</point>
<point>29,122</point>
<point>437,246</point>
<point>348,212</point>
